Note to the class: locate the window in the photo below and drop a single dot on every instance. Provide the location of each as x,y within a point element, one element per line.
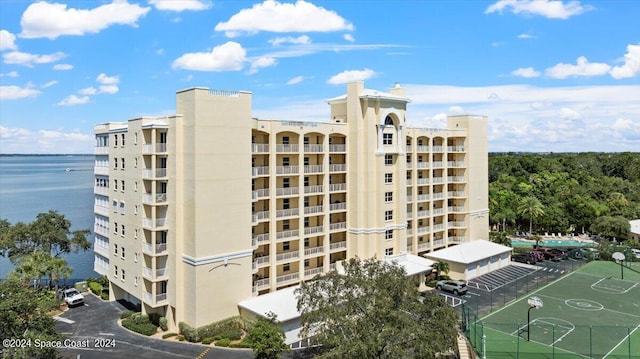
<point>115,185</point>
<point>306,263</point>
<point>122,209</point>
<point>388,234</point>
<point>135,162</point>
<point>115,249</point>
<point>286,267</point>
<point>285,140</point>
<point>135,257</point>
<point>115,230</point>
<point>135,138</point>
<point>122,183</point>
<point>135,186</point>
<point>285,225</point>
<point>388,159</point>
<point>388,215</point>
<point>123,139</point>
<point>135,234</point>
<point>388,121</point>
<point>388,252</point>
<point>286,182</point>
<point>306,201</point>
<point>122,227</point>
<point>285,161</point>
<point>306,242</point>
<point>115,142</point>
<point>388,178</point>
<point>135,281</point>
<point>115,163</point>
<point>387,138</point>
<point>306,181</point>
<point>122,252</point>
<point>115,206</point>
<point>285,203</point>
<point>306,161</point>
<point>122,275</point>
<point>285,246</point>
<point>135,209</point>
<point>115,271</point>
<point>388,196</point>
<point>123,163</point>
<point>307,223</point>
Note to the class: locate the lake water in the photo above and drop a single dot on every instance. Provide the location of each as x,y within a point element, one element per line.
<point>34,184</point>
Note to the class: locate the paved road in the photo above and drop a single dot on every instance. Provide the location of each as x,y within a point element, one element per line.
<point>97,322</point>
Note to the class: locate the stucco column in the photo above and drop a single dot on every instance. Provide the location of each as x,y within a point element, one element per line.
<point>380,128</point>
<point>422,287</point>
<point>400,144</point>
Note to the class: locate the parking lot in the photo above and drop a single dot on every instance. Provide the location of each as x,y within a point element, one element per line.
<point>96,324</point>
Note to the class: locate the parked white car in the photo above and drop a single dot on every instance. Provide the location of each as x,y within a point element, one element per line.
<point>72,297</point>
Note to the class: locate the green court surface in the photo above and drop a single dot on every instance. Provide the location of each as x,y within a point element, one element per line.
<point>589,313</point>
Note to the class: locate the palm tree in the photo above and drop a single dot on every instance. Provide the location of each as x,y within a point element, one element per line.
<point>500,238</point>
<point>531,207</point>
<point>33,266</point>
<point>441,266</point>
<point>58,269</point>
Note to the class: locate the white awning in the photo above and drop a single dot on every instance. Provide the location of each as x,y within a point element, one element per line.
<point>411,263</point>
<point>469,252</point>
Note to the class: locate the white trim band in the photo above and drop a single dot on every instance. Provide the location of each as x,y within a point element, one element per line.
<point>213,259</point>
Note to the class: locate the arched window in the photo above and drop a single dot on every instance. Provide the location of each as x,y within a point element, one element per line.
<point>388,121</point>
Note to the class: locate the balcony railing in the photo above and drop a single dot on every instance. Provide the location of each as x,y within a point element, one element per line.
<point>456,224</point>
<point>102,210</point>
<point>438,227</point>
<point>337,148</point>
<point>455,164</point>
<point>101,249</point>
<point>455,193</point>
<point>455,179</point>
<point>313,169</point>
<point>286,170</point>
<point>437,164</point>
<point>455,148</point>
<point>313,230</point>
<point>154,249</point>
<point>409,198</point>
<point>337,187</point>
<point>313,148</point>
<point>154,275</point>
<point>313,189</point>
<point>258,216</point>
<point>338,206</point>
<point>313,209</point>
<point>422,148</point>
<point>310,273</point>
<point>438,195</point>
<point>314,250</point>
<point>436,180</point>
<point>259,170</point>
<point>102,230</point>
<point>423,197</point>
<point>422,165</point>
<point>101,170</point>
<point>287,256</point>
<point>455,239</point>
<point>260,147</point>
<point>100,267</point>
<point>260,193</point>
<point>157,198</point>
<point>158,299</point>
<point>261,238</point>
<point>337,225</point>
<point>287,234</point>
<point>338,246</point>
<point>287,212</point>
<point>101,150</point>
<point>438,243</point>
<point>157,173</point>
<point>438,211</point>
<point>288,278</point>
<point>423,246</point>
<point>150,223</point>
<point>150,148</point>
<point>288,148</point>
<point>261,261</point>
<point>425,229</point>
<point>341,167</point>
<point>103,191</point>
<point>438,148</point>
<point>333,266</point>
<point>422,214</point>
<point>287,191</point>
<point>456,209</point>
<point>422,181</point>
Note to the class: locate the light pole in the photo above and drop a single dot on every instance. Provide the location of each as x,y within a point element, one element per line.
<point>534,302</point>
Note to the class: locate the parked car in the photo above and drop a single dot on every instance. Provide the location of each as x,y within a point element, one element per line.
<point>575,253</point>
<point>560,252</point>
<point>457,287</point>
<point>72,297</point>
<point>527,258</point>
<point>549,254</point>
<point>636,252</point>
<point>539,255</point>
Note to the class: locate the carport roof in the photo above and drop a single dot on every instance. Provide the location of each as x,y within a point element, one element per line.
<point>282,303</point>
<point>411,263</point>
<point>469,252</point>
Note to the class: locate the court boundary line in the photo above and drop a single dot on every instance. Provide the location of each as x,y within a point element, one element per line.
<point>600,276</point>
<point>622,341</point>
<point>611,310</point>
<point>543,344</point>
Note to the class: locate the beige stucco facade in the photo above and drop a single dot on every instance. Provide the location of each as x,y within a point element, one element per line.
<point>218,206</point>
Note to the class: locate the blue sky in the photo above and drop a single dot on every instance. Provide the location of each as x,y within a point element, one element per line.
<point>551,75</point>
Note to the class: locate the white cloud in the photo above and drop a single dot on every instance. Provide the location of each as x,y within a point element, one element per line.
<point>273,16</point>
<point>10,74</point>
<point>106,80</point>
<point>349,37</point>
<point>456,109</point>
<point>626,124</point>
<point>527,36</point>
<point>43,19</point>
<point>229,56</point>
<point>7,41</point>
<point>552,9</point>
<point>527,72</point>
<point>26,59</point>
<point>582,68</point>
<point>631,67</point>
<point>21,140</point>
<point>73,100</point>
<point>300,40</point>
<point>296,80</point>
<point>17,92</point>
<point>351,75</point>
<point>181,5</point>
<point>49,84</point>
<point>62,67</point>
<point>109,89</point>
<point>261,63</point>
<point>88,91</point>
<point>569,114</point>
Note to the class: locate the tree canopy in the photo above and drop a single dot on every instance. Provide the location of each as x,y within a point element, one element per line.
<point>266,338</point>
<point>374,310</point>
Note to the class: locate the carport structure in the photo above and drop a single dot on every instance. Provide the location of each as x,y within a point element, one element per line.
<point>472,259</point>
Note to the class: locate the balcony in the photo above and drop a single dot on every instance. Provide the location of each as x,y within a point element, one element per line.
<point>337,246</point>
<point>158,299</point>
<point>456,224</point>
<point>455,194</point>
<point>287,148</point>
<point>437,164</point>
<point>260,147</point>
<point>456,209</point>
<point>455,164</point>
<point>455,179</point>
<point>154,250</point>
<point>422,149</point>
<point>337,226</point>
<point>287,234</point>
<point>313,230</point>
<point>150,148</point>
<point>337,187</point>
<point>313,148</point>
<point>287,170</point>
<point>261,262</point>
<point>310,252</point>
<point>261,284</point>
<point>438,211</point>
<point>337,148</point>
<point>154,224</point>
<point>455,148</point>
<point>101,150</point>
<point>422,214</point>
<point>423,197</point>
<point>261,238</point>
<point>101,267</point>
<point>101,170</point>
<point>101,249</point>
<point>103,191</point>
<point>258,216</point>
<point>288,278</point>
<point>260,194</point>
<point>313,209</point>
<point>438,148</point>
<point>153,174</point>
<point>425,229</point>
<point>423,246</point>
<point>437,180</point>
<point>421,165</point>
<point>457,239</point>
<point>101,230</point>
<point>101,210</point>
<point>158,198</point>
<point>287,191</point>
<point>313,189</point>
<point>438,195</point>
<point>313,169</point>
<point>158,274</point>
<point>259,171</point>
<point>287,212</point>
<point>438,227</point>
<point>333,266</point>
<point>287,256</point>
<point>342,167</point>
<point>438,243</point>
<point>409,198</point>
<point>422,181</point>
<point>338,207</point>
<point>310,273</point>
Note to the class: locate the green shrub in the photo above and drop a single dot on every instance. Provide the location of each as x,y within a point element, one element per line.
<point>169,335</point>
<point>96,288</point>
<point>154,318</point>
<point>126,314</point>
<point>230,328</point>
<point>104,295</point>
<point>142,328</point>
<point>181,338</point>
<point>140,318</point>
<point>242,344</point>
<point>231,333</point>
<point>163,323</point>
<point>432,283</point>
<point>223,342</point>
<point>207,341</point>
<point>191,334</point>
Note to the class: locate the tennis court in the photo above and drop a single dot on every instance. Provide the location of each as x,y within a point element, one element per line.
<point>589,313</point>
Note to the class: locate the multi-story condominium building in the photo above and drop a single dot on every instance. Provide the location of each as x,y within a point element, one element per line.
<point>198,211</point>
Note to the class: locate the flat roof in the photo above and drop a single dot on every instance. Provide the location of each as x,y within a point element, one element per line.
<point>635,226</point>
<point>283,303</point>
<point>411,263</point>
<point>469,252</point>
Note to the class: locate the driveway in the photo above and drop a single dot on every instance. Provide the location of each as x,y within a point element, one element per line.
<point>97,322</point>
